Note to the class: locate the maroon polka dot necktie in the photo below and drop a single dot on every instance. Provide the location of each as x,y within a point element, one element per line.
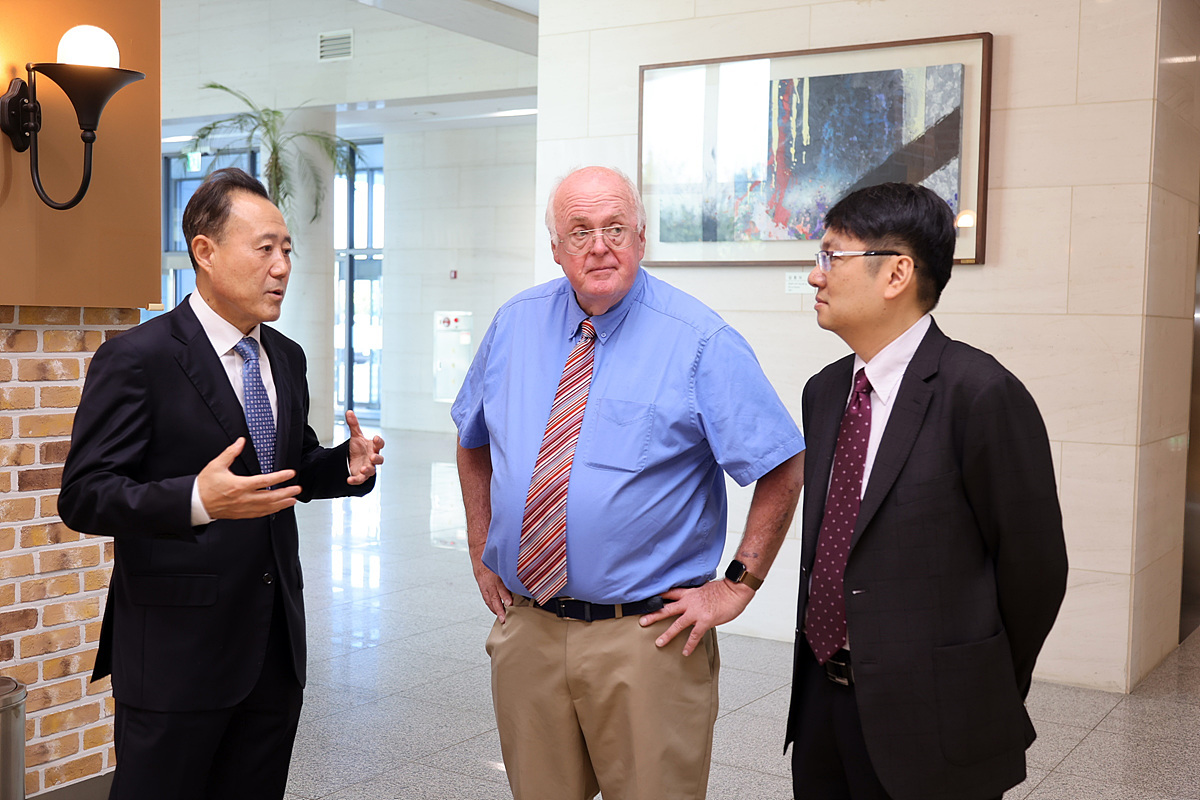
<point>825,619</point>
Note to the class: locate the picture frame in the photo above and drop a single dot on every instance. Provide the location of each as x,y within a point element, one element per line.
<point>740,158</point>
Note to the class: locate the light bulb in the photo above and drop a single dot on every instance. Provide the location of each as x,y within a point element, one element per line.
<point>966,219</point>
<point>88,46</point>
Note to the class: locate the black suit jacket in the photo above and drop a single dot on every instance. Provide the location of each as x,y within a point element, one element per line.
<point>189,608</point>
<point>956,571</point>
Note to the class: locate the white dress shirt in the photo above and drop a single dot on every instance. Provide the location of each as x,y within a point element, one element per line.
<point>223,336</point>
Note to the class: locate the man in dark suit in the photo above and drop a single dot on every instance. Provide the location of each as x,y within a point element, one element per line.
<point>933,555</point>
<point>190,447</point>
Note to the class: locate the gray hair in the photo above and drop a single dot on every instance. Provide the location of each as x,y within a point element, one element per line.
<point>630,187</point>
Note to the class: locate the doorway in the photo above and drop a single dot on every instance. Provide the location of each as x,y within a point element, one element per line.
<point>358,345</point>
<point>358,305</point>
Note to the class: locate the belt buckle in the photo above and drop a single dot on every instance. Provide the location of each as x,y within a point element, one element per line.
<point>560,609</point>
<point>838,671</point>
<point>838,679</point>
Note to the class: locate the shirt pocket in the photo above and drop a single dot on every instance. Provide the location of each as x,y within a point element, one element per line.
<point>617,435</point>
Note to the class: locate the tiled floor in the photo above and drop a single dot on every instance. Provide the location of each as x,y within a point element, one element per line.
<point>399,702</point>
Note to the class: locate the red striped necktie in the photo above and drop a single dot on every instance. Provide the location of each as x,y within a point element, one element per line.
<point>542,560</point>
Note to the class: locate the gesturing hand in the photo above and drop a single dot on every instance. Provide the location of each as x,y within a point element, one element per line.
<point>364,452</point>
<point>229,496</point>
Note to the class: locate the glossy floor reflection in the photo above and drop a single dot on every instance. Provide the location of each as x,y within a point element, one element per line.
<point>398,703</point>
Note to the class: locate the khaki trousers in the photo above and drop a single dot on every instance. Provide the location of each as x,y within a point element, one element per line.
<point>584,707</point>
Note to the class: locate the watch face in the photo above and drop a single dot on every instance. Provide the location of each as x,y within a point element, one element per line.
<point>738,573</point>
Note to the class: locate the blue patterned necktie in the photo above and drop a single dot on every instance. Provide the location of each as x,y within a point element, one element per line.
<point>259,418</point>
<point>825,620</point>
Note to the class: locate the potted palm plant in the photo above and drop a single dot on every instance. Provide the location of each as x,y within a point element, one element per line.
<point>286,165</point>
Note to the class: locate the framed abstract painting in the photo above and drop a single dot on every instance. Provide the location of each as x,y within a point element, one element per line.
<point>740,158</point>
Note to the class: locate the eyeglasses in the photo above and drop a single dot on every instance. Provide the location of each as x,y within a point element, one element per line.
<point>825,257</point>
<point>618,237</point>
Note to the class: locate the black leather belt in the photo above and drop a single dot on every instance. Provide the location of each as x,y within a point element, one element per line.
<point>571,608</point>
<point>838,669</point>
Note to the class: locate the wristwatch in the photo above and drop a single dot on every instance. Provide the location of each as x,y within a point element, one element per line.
<point>738,573</point>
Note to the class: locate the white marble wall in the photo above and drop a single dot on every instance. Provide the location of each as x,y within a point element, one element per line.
<point>458,200</point>
<point>268,49</point>
<point>1087,290</point>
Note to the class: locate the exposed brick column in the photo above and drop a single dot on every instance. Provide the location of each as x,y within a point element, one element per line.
<point>52,579</point>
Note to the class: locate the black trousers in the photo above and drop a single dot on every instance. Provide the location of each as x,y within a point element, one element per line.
<point>227,754</point>
<point>829,756</point>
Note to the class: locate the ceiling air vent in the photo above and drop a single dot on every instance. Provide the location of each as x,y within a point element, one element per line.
<point>336,46</point>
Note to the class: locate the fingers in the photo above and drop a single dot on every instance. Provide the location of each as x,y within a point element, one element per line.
<point>693,608</point>
<point>653,617</point>
<point>677,627</point>
<point>667,611</point>
<point>693,641</point>
<point>273,479</point>
<point>504,601</point>
<point>361,475</point>
<point>352,424</point>
<point>670,633</point>
<point>228,496</point>
<point>497,605</point>
<point>378,442</point>
<point>226,456</point>
<point>272,501</point>
<point>496,595</point>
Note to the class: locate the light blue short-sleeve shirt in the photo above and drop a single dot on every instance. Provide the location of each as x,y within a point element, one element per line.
<point>677,398</point>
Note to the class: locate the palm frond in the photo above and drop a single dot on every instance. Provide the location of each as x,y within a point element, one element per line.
<point>284,164</point>
<point>245,98</point>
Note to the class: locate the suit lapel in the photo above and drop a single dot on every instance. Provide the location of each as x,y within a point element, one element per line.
<point>202,366</point>
<point>912,403</point>
<point>821,431</point>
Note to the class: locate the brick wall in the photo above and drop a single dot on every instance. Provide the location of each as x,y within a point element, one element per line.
<point>52,579</point>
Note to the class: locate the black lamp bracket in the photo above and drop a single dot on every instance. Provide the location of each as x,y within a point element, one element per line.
<point>88,88</point>
<point>19,115</point>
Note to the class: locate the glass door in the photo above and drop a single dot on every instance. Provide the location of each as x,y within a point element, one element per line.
<point>358,346</point>
<point>358,316</point>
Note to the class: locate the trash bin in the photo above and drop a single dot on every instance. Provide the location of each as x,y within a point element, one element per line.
<point>12,740</point>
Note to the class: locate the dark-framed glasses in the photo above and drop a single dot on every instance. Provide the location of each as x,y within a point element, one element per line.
<point>825,257</point>
<point>618,237</point>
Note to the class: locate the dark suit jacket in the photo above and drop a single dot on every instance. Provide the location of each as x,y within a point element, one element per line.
<point>956,571</point>
<point>185,626</point>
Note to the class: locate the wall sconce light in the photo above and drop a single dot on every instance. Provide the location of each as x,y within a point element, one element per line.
<point>87,73</point>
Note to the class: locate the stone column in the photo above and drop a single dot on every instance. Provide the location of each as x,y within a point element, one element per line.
<point>308,308</point>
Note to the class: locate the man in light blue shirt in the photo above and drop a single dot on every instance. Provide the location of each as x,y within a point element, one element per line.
<point>586,698</point>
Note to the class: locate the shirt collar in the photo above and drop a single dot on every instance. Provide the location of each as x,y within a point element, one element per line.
<point>221,333</point>
<point>885,370</point>
<point>610,320</point>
